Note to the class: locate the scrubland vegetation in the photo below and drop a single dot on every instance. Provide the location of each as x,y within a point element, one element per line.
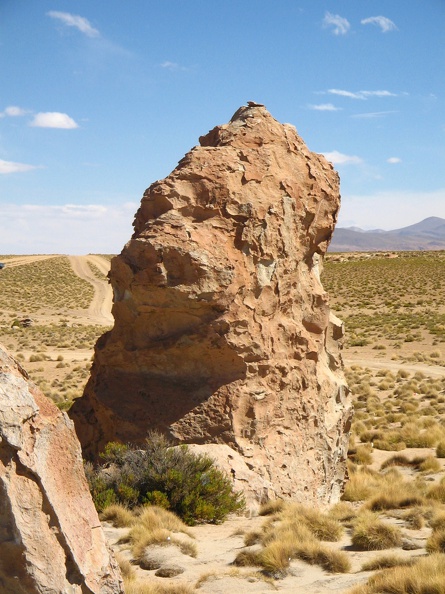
<point>42,285</point>
<point>56,349</point>
<point>388,302</point>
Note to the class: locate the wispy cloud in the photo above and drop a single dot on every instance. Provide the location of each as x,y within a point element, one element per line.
<point>394,160</point>
<point>66,229</point>
<point>11,167</point>
<point>340,25</point>
<point>13,111</point>
<point>373,114</point>
<point>378,94</point>
<point>172,66</point>
<point>324,107</point>
<point>361,94</point>
<point>384,23</point>
<point>53,119</point>
<point>338,158</point>
<point>342,93</point>
<point>72,20</point>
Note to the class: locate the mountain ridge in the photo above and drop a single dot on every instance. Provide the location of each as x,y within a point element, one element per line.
<point>428,234</point>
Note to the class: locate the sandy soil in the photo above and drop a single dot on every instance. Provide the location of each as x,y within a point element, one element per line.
<point>218,546</point>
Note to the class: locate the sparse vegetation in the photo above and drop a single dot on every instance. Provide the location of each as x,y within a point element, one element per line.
<point>392,307</point>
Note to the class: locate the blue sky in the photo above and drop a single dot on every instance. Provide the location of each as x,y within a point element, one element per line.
<point>99,99</point>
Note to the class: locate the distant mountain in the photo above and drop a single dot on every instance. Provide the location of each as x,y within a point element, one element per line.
<point>429,234</point>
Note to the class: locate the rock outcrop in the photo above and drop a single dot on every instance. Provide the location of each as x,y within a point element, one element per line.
<point>222,328</point>
<point>51,540</point>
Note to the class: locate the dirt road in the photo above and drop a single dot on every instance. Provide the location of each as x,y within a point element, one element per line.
<point>100,308</point>
<point>429,370</point>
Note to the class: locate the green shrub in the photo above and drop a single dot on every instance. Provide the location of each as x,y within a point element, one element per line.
<point>159,474</point>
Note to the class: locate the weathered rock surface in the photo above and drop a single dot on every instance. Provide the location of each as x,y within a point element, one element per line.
<point>51,540</point>
<point>222,328</point>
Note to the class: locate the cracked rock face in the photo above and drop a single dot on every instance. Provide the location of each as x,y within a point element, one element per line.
<point>222,328</point>
<point>51,540</point>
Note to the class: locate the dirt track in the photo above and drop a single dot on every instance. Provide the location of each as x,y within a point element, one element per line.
<point>430,370</point>
<point>100,308</point>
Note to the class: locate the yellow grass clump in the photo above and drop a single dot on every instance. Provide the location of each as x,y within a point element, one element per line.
<point>427,576</point>
<point>371,534</point>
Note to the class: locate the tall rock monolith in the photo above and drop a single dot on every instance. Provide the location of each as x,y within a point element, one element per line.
<point>222,332</point>
<point>51,540</point>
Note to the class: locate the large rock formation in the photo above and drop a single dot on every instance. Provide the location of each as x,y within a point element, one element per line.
<point>51,540</point>
<point>222,331</point>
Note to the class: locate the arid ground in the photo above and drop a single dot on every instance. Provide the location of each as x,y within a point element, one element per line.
<point>393,306</point>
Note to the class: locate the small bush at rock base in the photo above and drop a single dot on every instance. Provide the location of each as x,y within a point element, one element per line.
<point>170,477</point>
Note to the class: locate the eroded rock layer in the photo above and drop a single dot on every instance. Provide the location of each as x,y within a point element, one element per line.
<point>51,540</point>
<point>222,328</point>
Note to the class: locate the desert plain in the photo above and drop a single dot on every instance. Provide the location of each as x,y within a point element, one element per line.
<point>53,309</point>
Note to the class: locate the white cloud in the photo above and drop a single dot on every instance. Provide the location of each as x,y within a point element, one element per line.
<point>378,94</point>
<point>394,160</point>
<point>384,23</point>
<point>53,119</point>
<point>173,66</point>
<point>13,111</point>
<point>361,94</point>
<point>72,20</point>
<point>340,159</point>
<point>343,93</point>
<point>11,167</point>
<point>340,25</point>
<point>65,229</point>
<point>324,107</point>
<point>390,209</point>
<point>373,114</point>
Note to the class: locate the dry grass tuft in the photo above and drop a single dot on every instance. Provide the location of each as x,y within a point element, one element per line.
<point>386,562</point>
<point>294,534</point>
<point>252,538</point>
<point>125,566</point>
<point>427,576</point>
<point>155,525</point>
<point>343,512</point>
<point>371,534</point>
<point>118,515</point>
<point>247,559</point>
<point>436,542</point>
<point>321,525</point>
<point>396,495</point>
<point>144,587</point>
<point>271,507</point>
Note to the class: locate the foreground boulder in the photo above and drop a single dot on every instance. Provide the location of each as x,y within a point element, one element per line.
<point>51,540</point>
<point>222,328</point>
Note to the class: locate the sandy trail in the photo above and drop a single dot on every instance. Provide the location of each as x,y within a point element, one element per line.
<point>100,308</point>
<point>429,370</point>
